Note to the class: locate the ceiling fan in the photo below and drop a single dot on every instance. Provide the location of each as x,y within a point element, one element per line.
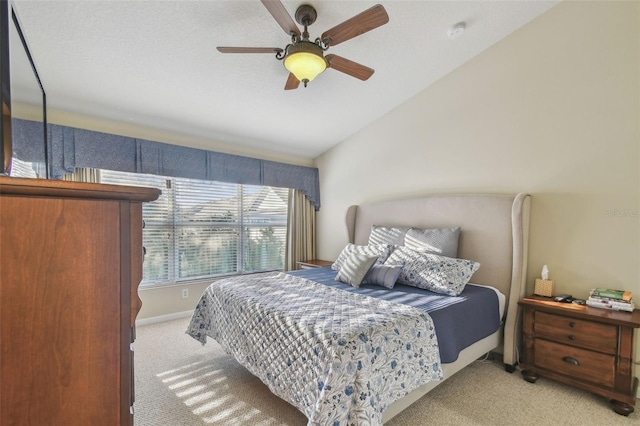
<point>305,59</point>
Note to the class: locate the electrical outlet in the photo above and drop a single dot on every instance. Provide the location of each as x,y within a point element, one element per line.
<point>185,293</point>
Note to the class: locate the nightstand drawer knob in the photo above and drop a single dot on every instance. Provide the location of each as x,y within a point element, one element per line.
<point>572,337</point>
<point>572,324</point>
<point>570,360</point>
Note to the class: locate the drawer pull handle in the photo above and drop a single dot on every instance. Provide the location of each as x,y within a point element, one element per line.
<point>570,360</point>
<point>572,324</point>
<point>572,337</point>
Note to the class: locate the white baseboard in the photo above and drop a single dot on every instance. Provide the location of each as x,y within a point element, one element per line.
<point>163,318</point>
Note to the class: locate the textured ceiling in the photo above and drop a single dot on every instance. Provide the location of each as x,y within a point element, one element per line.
<point>154,64</point>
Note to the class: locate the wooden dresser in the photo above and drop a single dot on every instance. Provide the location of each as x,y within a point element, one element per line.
<point>70,265</point>
<point>589,348</point>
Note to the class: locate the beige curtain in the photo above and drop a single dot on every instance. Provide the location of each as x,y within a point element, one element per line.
<point>301,230</point>
<point>83,175</point>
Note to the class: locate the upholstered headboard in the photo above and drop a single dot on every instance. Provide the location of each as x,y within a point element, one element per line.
<point>494,230</point>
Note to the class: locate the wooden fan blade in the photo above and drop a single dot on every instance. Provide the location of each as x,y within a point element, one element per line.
<point>366,21</point>
<point>282,17</point>
<point>249,49</point>
<point>292,82</point>
<point>351,68</point>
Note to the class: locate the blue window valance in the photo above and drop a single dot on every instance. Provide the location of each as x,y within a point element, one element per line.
<point>71,148</point>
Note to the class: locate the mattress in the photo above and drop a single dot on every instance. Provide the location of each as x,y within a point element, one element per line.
<point>459,320</point>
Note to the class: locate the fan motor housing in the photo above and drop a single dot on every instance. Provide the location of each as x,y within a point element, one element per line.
<point>306,15</point>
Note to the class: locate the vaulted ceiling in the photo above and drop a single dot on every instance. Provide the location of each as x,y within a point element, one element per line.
<point>155,64</point>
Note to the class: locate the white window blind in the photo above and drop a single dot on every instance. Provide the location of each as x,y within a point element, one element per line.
<point>199,229</point>
<point>25,169</point>
<point>264,227</point>
<point>207,228</point>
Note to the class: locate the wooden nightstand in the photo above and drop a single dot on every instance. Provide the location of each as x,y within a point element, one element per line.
<point>589,348</point>
<point>313,263</point>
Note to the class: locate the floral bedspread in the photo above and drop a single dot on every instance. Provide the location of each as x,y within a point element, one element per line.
<point>339,357</point>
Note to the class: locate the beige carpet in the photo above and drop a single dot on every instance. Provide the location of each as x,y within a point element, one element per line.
<point>180,382</point>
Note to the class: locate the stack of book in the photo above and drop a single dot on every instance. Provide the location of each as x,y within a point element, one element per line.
<point>617,300</point>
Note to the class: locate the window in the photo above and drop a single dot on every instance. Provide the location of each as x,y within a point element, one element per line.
<point>201,229</point>
<point>26,169</point>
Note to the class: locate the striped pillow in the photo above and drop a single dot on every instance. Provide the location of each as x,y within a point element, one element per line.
<point>383,275</point>
<point>354,269</point>
<point>382,251</point>
<point>387,235</point>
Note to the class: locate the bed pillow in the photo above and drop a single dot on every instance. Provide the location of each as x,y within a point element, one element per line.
<point>382,251</point>
<point>354,268</point>
<point>387,235</point>
<point>383,275</point>
<point>442,241</point>
<point>440,274</point>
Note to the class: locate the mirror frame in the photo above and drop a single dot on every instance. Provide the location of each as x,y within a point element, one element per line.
<point>5,90</point>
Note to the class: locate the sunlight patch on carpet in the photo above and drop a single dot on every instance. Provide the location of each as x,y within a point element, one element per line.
<point>203,389</point>
<point>190,391</point>
<point>212,405</point>
<point>184,367</point>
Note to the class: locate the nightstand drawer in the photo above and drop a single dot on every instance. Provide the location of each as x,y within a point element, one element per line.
<point>575,332</point>
<point>578,363</point>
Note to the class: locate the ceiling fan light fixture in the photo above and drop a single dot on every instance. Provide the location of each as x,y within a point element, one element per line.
<point>305,60</point>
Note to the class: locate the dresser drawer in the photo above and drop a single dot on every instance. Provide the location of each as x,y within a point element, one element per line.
<point>575,332</point>
<point>581,364</point>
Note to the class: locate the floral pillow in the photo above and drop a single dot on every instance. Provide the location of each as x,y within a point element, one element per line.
<point>440,274</point>
<point>382,251</point>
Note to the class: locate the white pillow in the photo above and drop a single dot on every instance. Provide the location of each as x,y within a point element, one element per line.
<point>382,251</point>
<point>354,268</point>
<point>440,274</point>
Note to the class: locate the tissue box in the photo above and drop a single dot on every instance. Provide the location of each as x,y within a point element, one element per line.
<point>543,288</point>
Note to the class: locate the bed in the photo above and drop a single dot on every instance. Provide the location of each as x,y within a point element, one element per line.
<point>342,357</point>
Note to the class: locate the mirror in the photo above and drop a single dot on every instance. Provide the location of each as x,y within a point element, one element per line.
<point>23,96</point>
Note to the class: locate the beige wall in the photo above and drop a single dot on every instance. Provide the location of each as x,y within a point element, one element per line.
<point>160,301</point>
<point>552,110</point>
